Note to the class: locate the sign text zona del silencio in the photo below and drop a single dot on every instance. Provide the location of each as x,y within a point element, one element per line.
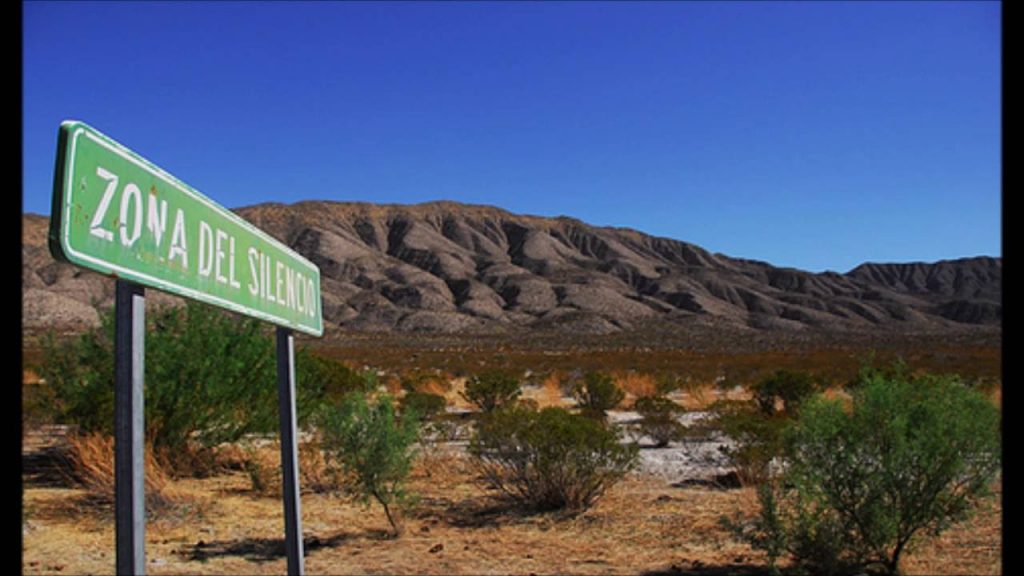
<point>118,214</point>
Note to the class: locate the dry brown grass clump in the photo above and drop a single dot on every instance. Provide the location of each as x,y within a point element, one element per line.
<point>317,473</point>
<point>454,395</point>
<point>391,384</point>
<point>89,462</point>
<point>263,467</point>
<point>635,385</point>
<point>193,461</point>
<point>700,396</point>
<point>552,390</point>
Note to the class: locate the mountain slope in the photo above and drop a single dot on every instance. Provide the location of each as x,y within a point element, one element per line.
<point>447,267</point>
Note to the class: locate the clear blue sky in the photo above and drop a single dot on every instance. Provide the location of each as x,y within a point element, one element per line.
<point>817,135</point>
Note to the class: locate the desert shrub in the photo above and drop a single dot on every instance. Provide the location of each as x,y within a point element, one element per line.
<point>596,394</point>
<point>551,459</point>
<point>36,405</point>
<point>424,404</point>
<point>869,369</point>
<point>756,438</point>
<point>79,374</point>
<point>320,380</point>
<point>374,448</point>
<point>790,388</point>
<point>209,377</point>
<point>861,485</point>
<point>756,428</point>
<point>659,419</point>
<point>491,390</point>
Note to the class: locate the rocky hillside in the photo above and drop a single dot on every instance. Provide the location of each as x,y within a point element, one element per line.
<point>446,267</point>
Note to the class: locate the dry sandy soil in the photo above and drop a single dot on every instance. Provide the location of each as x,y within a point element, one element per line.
<point>654,522</point>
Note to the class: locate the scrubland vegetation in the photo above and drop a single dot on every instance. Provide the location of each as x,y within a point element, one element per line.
<point>873,465</point>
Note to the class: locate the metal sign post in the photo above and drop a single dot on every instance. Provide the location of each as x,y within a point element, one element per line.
<point>289,451</point>
<point>129,485</point>
<point>118,214</point>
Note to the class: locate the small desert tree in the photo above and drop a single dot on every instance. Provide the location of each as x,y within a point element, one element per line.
<point>424,404</point>
<point>659,419</point>
<point>756,427</point>
<point>756,437</point>
<point>597,394</point>
<point>323,380</point>
<point>491,390</point>
<point>791,388</point>
<point>375,449</point>
<point>862,483</point>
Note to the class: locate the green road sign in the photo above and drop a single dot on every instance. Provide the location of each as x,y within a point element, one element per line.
<point>118,214</point>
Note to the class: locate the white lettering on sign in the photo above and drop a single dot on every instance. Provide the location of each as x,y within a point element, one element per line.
<point>275,281</point>
<point>156,220</point>
<point>178,240</point>
<point>254,283</point>
<point>280,282</point>
<point>130,218</point>
<point>216,245</point>
<point>231,265</point>
<point>96,228</point>
<point>205,248</point>
<point>219,258</point>
<point>124,217</point>
<point>266,265</point>
<point>289,288</point>
<point>271,280</point>
<point>131,191</point>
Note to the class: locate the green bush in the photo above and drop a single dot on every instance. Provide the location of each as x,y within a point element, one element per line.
<point>424,404</point>
<point>375,449</point>
<point>791,388</point>
<point>597,394</point>
<point>492,390</point>
<point>756,436</point>
<point>756,428</point>
<point>659,419</point>
<point>79,376</point>
<point>870,369</point>
<point>551,459</point>
<point>862,484</point>
<point>324,380</point>
<point>209,377</point>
